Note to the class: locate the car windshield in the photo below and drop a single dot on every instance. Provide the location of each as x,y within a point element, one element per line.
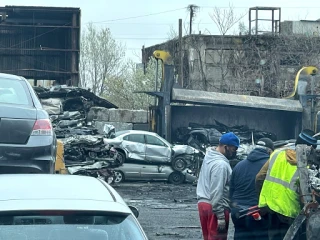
<point>69,226</point>
<point>13,92</point>
<point>119,133</point>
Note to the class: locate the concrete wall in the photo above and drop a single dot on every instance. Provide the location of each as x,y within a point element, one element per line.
<point>307,28</point>
<point>121,119</point>
<point>283,124</point>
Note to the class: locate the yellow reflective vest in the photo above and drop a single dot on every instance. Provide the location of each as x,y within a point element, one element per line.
<point>280,188</point>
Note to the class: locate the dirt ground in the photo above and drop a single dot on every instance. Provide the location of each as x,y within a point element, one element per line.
<point>166,211</point>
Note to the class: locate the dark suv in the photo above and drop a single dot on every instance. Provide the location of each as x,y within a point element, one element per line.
<point>27,140</point>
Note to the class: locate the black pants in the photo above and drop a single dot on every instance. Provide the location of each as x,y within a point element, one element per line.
<point>279,225</point>
<point>248,228</point>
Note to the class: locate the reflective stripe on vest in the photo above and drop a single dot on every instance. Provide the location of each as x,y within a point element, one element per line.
<point>279,188</point>
<point>291,185</point>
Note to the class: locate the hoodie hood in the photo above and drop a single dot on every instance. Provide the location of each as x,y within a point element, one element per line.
<point>291,156</point>
<point>258,154</point>
<point>214,155</point>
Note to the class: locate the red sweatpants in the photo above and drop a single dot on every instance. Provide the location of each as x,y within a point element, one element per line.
<point>209,222</point>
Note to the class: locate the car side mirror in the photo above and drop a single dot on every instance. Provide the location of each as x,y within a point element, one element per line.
<point>135,211</point>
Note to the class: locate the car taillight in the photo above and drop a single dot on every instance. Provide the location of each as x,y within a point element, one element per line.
<point>42,127</point>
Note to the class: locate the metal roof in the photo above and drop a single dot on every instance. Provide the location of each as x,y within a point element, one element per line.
<point>214,98</point>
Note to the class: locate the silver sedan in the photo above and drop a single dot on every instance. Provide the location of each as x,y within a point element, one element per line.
<point>130,171</point>
<point>148,147</point>
<point>64,207</point>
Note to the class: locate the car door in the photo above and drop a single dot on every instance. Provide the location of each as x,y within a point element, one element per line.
<point>153,172</point>
<point>156,150</point>
<point>135,146</point>
<point>131,171</point>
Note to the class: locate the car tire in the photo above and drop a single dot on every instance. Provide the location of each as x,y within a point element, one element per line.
<point>118,177</point>
<point>179,164</point>
<point>176,178</point>
<point>121,157</point>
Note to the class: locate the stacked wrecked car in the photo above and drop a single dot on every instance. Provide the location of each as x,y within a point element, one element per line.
<point>85,152</point>
<point>104,154</point>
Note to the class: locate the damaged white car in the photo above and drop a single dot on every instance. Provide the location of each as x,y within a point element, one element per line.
<point>148,147</point>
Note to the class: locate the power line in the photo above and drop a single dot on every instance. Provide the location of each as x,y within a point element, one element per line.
<point>133,17</point>
<point>304,7</point>
<point>140,38</point>
<point>38,35</point>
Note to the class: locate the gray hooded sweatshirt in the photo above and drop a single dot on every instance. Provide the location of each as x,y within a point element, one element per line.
<point>213,182</point>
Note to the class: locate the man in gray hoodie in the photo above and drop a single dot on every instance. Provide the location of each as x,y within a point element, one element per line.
<point>213,188</point>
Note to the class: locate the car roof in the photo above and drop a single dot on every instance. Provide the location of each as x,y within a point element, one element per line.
<point>11,76</point>
<point>58,192</point>
<point>138,132</point>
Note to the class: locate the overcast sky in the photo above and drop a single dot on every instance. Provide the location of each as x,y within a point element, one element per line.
<point>148,22</point>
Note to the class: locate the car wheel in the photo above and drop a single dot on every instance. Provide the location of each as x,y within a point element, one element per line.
<point>176,178</point>
<point>118,177</point>
<point>179,164</point>
<point>121,157</point>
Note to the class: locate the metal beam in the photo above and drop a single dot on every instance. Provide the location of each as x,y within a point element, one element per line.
<point>35,26</point>
<point>42,21</point>
<point>224,99</point>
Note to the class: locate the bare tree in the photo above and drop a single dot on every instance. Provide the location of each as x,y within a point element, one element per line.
<point>173,34</point>
<point>102,58</point>
<point>225,19</point>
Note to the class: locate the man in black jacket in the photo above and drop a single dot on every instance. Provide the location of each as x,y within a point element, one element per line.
<point>243,193</point>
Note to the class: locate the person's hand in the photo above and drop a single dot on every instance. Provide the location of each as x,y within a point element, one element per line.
<point>221,225</point>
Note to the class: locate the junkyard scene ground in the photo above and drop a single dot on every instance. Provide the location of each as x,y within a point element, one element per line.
<point>137,101</point>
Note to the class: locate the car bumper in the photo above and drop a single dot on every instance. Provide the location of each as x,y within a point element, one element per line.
<point>38,155</point>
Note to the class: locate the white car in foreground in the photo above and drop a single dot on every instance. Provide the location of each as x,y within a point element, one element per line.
<point>64,207</point>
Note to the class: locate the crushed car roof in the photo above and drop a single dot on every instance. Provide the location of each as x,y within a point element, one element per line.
<point>65,92</point>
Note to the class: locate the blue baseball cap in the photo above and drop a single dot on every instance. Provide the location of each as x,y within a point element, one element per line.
<point>230,139</point>
<point>307,137</point>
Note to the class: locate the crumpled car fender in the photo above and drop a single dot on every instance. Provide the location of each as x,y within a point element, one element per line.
<point>183,149</point>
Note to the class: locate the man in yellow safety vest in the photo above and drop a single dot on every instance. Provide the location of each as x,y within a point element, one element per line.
<point>277,183</point>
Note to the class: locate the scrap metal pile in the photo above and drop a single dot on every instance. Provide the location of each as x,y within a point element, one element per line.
<point>203,136</point>
<point>85,152</point>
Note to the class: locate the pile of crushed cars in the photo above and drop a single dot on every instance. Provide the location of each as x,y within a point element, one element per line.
<point>203,136</point>
<point>84,150</point>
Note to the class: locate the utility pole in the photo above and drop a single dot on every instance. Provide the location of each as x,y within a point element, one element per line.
<point>192,10</point>
<point>180,71</point>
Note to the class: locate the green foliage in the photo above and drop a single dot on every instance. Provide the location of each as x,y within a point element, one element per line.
<point>101,58</point>
<point>124,91</point>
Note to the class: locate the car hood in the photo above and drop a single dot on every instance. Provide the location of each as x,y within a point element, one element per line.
<point>183,149</point>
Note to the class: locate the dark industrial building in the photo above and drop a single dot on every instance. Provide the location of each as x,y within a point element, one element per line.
<point>40,43</point>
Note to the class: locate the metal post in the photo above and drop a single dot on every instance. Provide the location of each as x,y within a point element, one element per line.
<point>250,21</point>
<point>256,21</point>
<point>180,54</point>
<point>74,67</point>
<point>279,24</point>
<point>272,22</point>
<point>312,103</point>
<point>156,82</point>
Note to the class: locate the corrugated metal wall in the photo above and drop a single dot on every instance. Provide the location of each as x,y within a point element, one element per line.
<point>37,42</point>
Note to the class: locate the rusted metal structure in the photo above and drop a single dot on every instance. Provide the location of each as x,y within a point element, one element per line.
<point>40,43</point>
<point>275,21</point>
